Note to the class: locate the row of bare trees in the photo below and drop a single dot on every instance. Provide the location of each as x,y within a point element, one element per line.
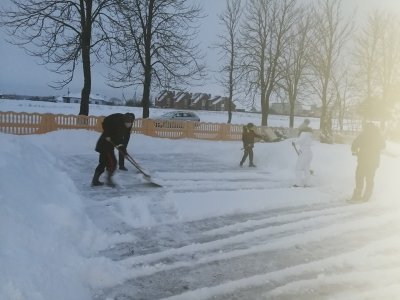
<point>143,41</point>
<point>270,49</point>
<point>287,51</point>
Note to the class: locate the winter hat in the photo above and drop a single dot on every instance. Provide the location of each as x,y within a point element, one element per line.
<point>251,126</point>
<point>129,117</point>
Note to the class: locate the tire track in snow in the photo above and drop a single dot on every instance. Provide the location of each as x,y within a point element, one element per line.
<point>258,270</point>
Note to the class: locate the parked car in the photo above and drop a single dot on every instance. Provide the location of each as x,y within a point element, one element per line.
<point>180,116</point>
<point>176,116</point>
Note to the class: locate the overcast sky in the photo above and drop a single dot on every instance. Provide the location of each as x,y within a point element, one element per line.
<point>22,74</point>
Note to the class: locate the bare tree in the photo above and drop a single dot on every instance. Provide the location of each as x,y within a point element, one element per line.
<point>63,33</point>
<point>154,40</point>
<point>378,62</point>
<point>343,94</point>
<point>389,50</point>
<point>367,57</point>
<point>331,33</point>
<point>264,36</point>
<point>230,19</point>
<point>295,61</point>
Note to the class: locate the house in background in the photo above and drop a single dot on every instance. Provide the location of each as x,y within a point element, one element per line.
<point>165,99</point>
<point>200,101</point>
<point>183,100</point>
<point>219,103</point>
<point>93,99</point>
<point>197,101</point>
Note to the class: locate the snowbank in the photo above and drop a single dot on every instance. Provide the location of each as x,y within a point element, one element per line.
<point>44,230</point>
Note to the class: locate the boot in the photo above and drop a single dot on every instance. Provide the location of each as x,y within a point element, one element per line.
<point>110,182</point>
<point>367,194</point>
<point>366,197</point>
<point>251,165</point>
<point>123,168</point>
<point>96,181</point>
<point>356,195</point>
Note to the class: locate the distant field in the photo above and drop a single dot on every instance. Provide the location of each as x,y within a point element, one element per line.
<point>103,110</point>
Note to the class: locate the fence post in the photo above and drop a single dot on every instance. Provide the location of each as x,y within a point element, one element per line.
<point>82,121</point>
<point>148,127</point>
<point>223,131</point>
<point>189,132</point>
<point>47,124</point>
<point>99,124</point>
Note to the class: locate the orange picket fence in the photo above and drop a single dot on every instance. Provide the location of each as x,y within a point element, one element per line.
<point>33,123</point>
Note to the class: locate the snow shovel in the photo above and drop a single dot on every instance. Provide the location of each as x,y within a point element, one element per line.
<point>140,169</point>
<point>298,153</point>
<point>146,176</point>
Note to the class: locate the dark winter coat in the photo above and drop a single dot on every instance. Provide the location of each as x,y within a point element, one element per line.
<point>115,128</point>
<point>127,135</point>
<point>248,136</point>
<point>368,146</point>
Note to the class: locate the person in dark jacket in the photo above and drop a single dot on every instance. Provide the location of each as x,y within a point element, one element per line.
<point>367,147</point>
<point>114,130</point>
<point>248,136</point>
<point>126,137</point>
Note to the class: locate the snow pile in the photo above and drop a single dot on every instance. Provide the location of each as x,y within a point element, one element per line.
<point>43,226</point>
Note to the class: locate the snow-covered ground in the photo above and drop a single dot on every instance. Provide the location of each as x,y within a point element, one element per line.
<point>214,231</point>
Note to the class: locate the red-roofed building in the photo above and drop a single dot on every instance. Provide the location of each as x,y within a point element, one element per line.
<point>219,103</point>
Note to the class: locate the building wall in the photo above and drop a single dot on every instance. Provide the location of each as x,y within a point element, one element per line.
<point>182,104</point>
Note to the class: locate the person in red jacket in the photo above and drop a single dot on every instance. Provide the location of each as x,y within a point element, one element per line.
<point>114,130</point>
<point>367,147</point>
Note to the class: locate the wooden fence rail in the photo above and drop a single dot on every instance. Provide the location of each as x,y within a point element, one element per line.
<point>34,123</point>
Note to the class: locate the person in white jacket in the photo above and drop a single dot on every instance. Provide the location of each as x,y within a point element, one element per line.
<point>303,146</point>
<point>304,126</point>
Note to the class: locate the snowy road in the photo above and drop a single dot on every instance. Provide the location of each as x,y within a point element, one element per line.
<point>310,250</point>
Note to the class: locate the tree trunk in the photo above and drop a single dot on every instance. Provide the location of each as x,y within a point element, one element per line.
<point>87,85</point>
<point>86,24</point>
<point>324,101</point>
<point>147,86</point>
<point>230,111</point>
<point>323,117</point>
<point>291,113</point>
<point>230,103</point>
<point>146,96</point>
<point>264,109</point>
<point>147,63</point>
<point>267,95</point>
